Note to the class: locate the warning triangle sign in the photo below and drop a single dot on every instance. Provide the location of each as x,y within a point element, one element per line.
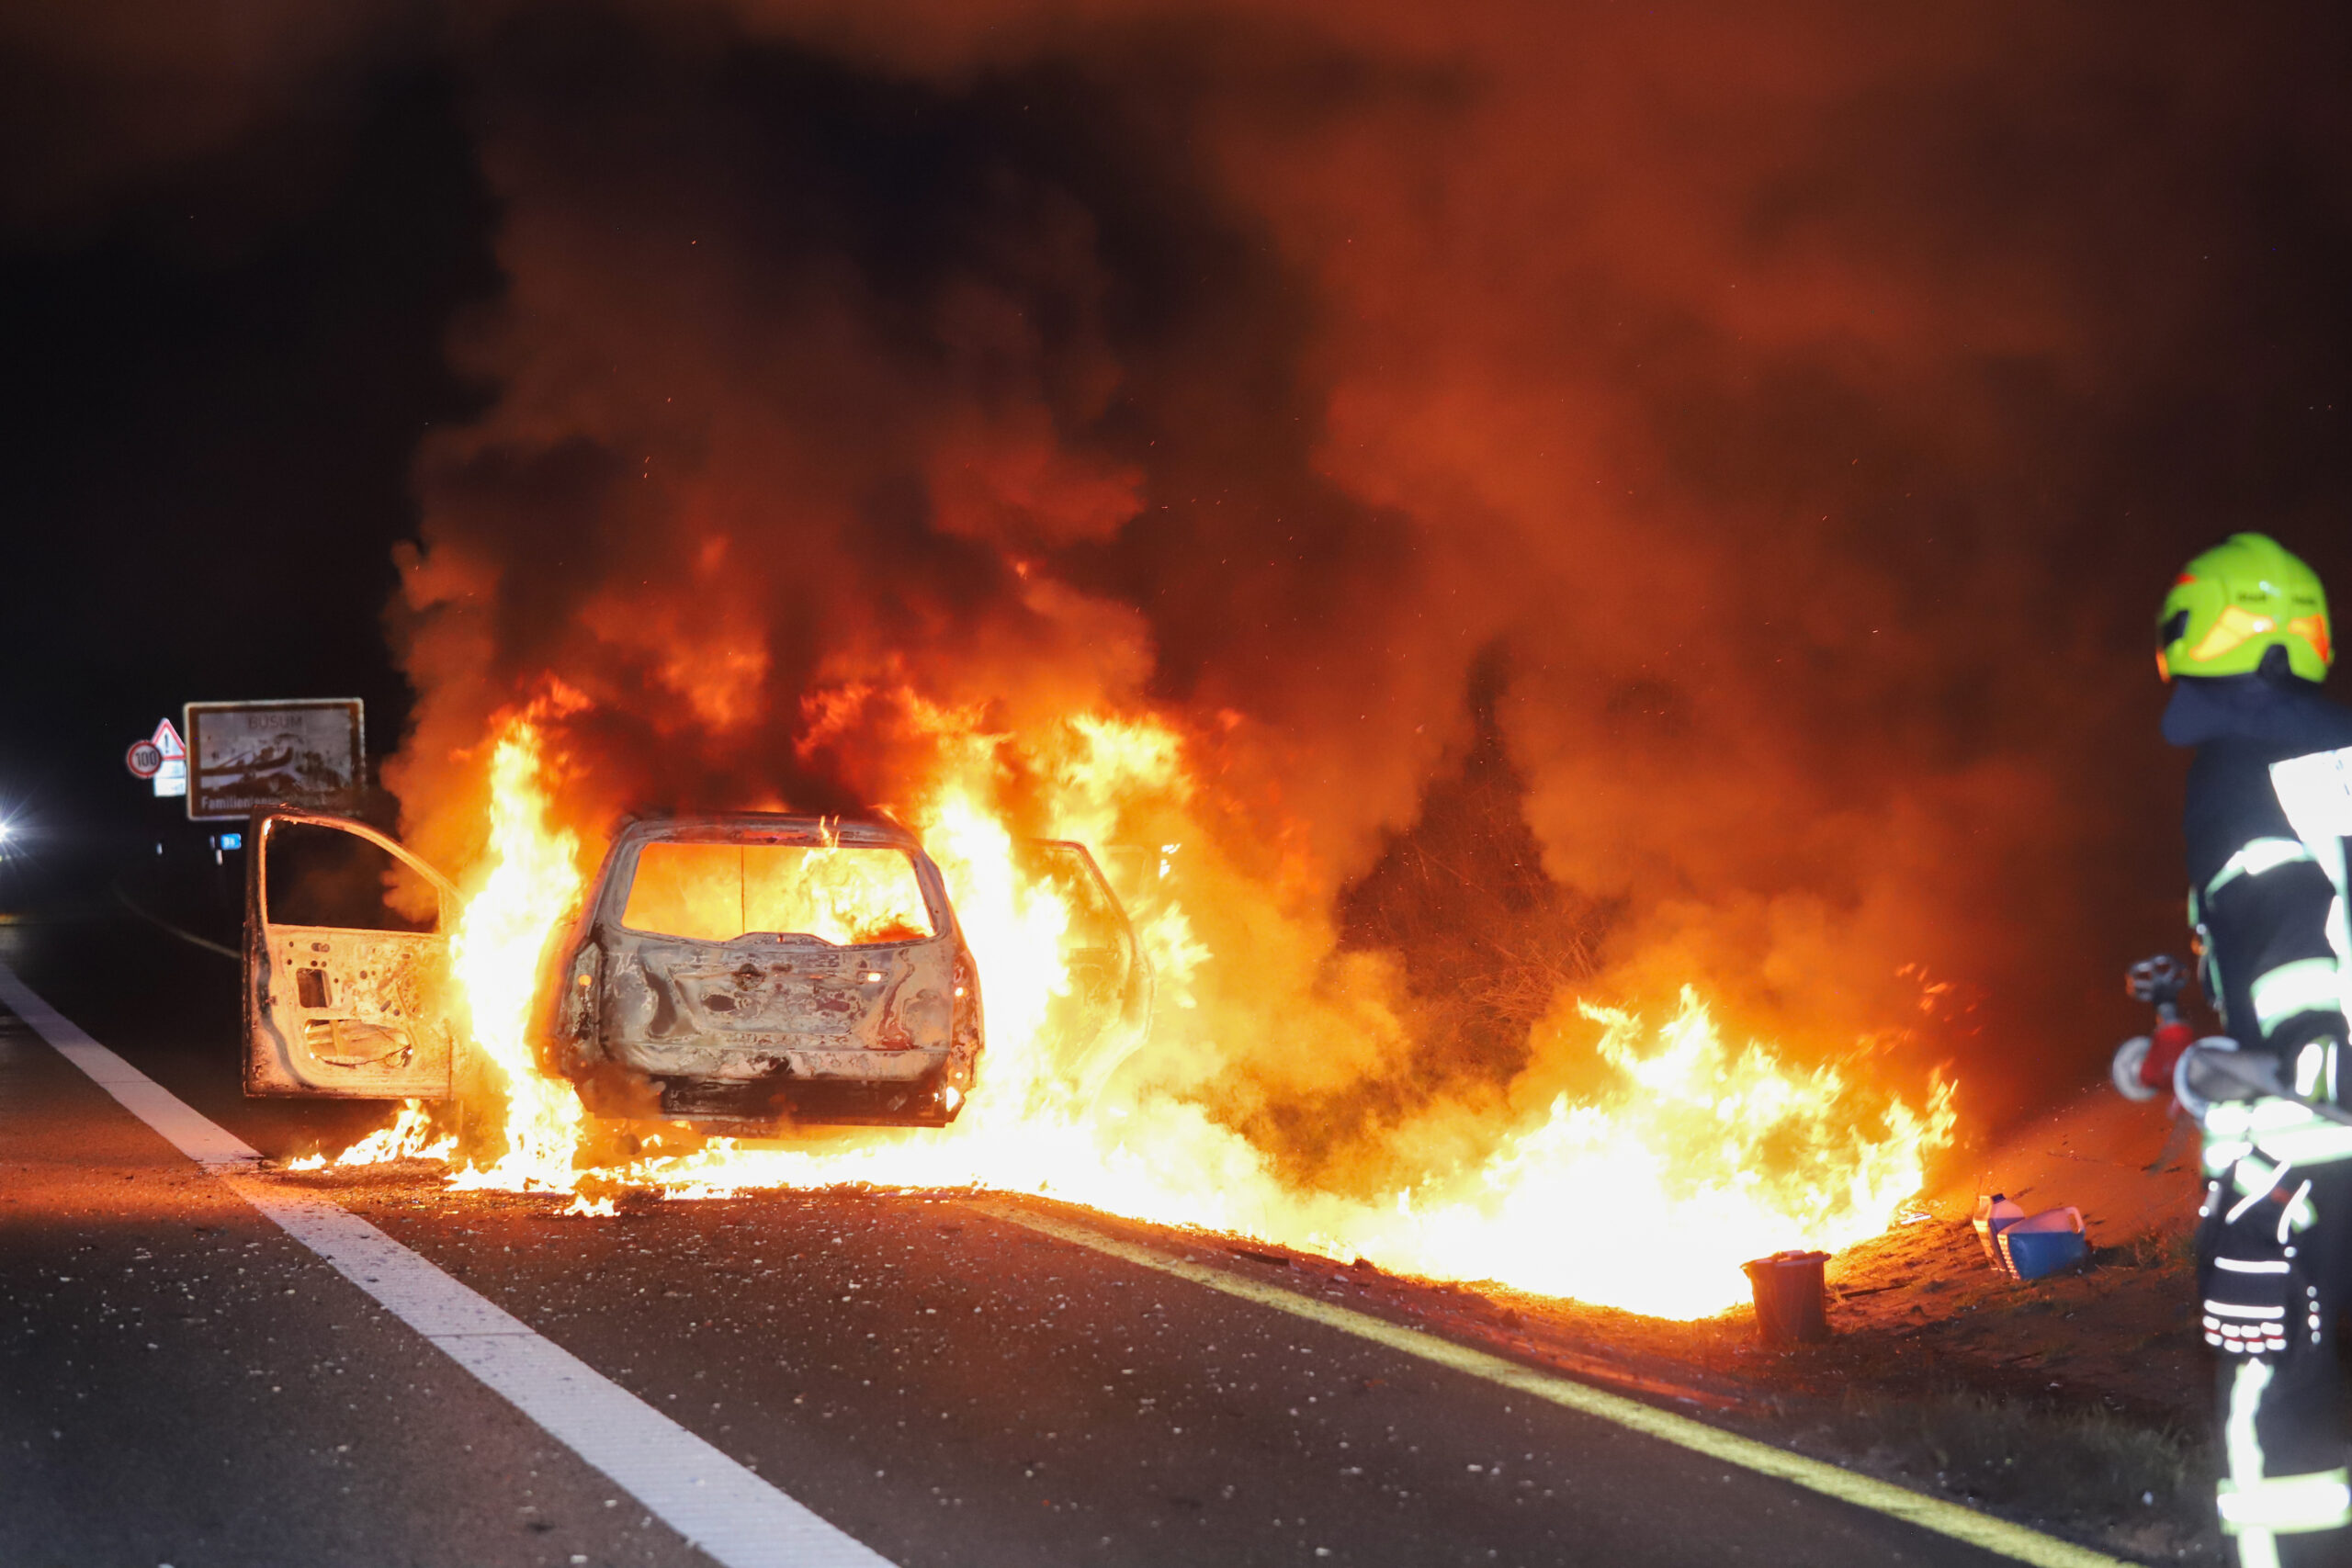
<point>167,742</point>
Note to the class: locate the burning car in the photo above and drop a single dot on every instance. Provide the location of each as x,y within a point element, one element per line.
<point>739,969</point>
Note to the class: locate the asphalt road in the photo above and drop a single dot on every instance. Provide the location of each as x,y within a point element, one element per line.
<point>182,1382</point>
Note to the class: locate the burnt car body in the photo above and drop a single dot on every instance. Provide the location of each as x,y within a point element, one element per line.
<point>834,985</point>
<point>744,969</point>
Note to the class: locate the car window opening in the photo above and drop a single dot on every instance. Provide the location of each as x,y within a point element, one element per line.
<point>846,895</point>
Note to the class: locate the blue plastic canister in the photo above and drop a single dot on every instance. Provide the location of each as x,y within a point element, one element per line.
<point>2044,1244</point>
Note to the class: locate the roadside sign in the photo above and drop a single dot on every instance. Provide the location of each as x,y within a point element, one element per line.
<point>161,757</point>
<point>308,753</point>
<point>171,766</point>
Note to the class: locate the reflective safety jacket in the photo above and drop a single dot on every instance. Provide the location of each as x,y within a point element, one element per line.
<point>2268,811</point>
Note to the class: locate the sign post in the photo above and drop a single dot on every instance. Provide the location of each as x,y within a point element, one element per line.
<point>308,753</point>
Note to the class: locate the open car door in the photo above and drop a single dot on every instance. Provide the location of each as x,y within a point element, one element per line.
<point>1106,1014</point>
<point>346,963</point>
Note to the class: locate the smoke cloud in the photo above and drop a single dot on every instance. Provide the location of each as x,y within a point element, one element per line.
<point>1715,465</point>
<point>1750,390</point>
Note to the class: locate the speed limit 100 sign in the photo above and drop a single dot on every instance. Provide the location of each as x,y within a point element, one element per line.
<point>145,759</point>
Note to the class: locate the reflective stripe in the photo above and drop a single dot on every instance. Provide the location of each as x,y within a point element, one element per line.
<point>2263,1119</point>
<point>2256,1180</point>
<point>2257,1546</point>
<point>2261,855</point>
<point>2315,1070</point>
<point>2297,1214</point>
<point>2315,791</point>
<point>2209,975</point>
<point>2232,628</point>
<point>2251,1118</point>
<point>2288,1503</point>
<point>2235,1309</point>
<point>2220,1157</point>
<point>2237,1266</point>
<point>2321,1143</point>
<point>2280,1129</point>
<point>2306,985</point>
<point>2238,1438</point>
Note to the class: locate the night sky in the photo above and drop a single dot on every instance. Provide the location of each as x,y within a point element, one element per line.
<point>1798,415</point>
<point>215,385</point>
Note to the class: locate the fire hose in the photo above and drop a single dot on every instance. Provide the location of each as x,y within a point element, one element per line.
<point>2200,1072</point>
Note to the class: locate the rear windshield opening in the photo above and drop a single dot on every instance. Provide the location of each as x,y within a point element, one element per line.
<point>718,892</point>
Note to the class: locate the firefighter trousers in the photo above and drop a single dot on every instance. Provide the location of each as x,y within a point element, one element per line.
<point>2273,1248</point>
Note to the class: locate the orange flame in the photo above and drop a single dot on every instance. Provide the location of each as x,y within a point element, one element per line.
<point>411,1135</point>
<point>1646,1197</point>
<point>717,892</point>
<point>494,954</point>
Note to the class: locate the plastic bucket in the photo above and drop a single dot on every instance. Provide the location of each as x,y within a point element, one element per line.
<point>1788,1297</point>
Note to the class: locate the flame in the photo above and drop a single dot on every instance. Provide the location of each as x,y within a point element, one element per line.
<point>718,892</point>
<point>414,1134</point>
<point>1643,1201</point>
<point>1645,1195</point>
<point>534,881</point>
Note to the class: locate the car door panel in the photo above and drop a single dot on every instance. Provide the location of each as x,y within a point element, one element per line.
<point>338,1011</point>
<point>1105,1014</point>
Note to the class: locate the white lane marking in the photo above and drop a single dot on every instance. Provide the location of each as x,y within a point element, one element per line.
<point>718,1505</point>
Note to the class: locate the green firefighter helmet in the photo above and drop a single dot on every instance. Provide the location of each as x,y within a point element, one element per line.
<point>2232,604</point>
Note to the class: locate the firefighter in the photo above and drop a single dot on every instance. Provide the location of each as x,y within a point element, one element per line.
<point>2243,638</point>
